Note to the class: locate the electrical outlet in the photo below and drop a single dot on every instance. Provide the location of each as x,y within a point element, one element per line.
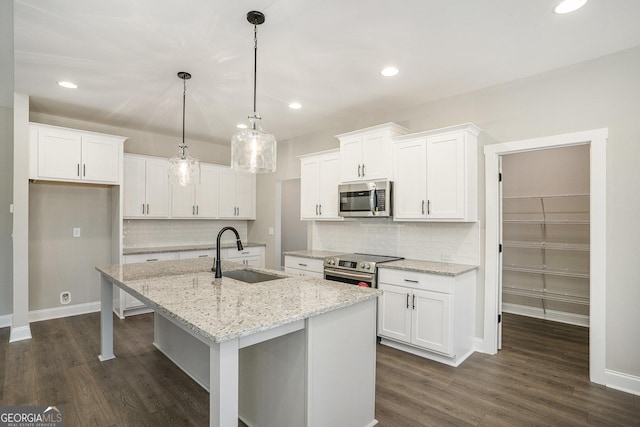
<point>447,256</point>
<point>76,232</point>
<point>65,297</point>
<point>271,231</point>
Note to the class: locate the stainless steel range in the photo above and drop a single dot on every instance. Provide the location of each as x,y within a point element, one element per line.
<point>355,269</point>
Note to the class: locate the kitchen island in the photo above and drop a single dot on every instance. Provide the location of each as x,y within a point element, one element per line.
<point>288,351</point>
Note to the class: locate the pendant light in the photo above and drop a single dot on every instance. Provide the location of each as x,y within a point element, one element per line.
<point>253,150</point>
<point>183,169</point>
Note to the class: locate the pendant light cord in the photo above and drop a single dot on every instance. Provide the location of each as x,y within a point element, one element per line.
<point>184,101</point>
<point>255,69</point>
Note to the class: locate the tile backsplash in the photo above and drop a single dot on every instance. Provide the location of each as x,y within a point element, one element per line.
<point>157,233</point>
<point>424,241</point>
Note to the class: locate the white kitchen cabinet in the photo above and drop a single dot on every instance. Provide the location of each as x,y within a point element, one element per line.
<point>252,256</point>
<point>319,180</point>
<point>62,154</point>
<point>365,153</point>
<point>207,253</point>
<point>197,201</point>
<point>428,314</point>
<point>145,187</point>
<point>436,175</point>
<point>304,267</point>
<point>237,194</point>
<point>127,305</point>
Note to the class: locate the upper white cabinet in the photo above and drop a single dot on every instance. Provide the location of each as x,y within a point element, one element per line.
<point>436,175</point>
<point>365,153</point>
<point>199,201</point>
<point>62,154</point>
<point>237,194</point>
<point>319,179</point>
<point>145,187</point>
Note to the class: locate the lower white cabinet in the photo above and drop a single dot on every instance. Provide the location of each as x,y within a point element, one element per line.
<point>209,253</point>
<point>428,314</point>
<point>125,304</point>
<point>253,256</point>
<point>304,267</point>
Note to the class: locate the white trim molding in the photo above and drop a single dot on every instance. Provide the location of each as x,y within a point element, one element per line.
<point>623,382</point>
<point>5,321</point>
<point>598,229</point>
<point>66,311</point>
<point>20,333</point>
<point>553,315</point>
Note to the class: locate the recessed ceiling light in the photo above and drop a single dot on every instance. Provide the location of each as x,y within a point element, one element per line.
<point>295,106</point>
<point>241,126</point>
<point>568,6</point>
<point>389,71</point>
<point>68,85</point>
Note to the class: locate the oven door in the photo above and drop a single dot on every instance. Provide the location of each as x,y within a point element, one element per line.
<point>350,277</point>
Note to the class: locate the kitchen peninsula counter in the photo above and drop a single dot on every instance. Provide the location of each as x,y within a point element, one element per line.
<point>323,331</point>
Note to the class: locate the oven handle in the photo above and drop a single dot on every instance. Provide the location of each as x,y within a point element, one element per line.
<point>348,275</point>
<point>373,200</point>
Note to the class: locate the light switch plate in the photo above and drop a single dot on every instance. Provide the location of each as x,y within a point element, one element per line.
<point>76,232</point>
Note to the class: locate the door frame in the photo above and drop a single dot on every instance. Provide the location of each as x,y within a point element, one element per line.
<point>596,139</point>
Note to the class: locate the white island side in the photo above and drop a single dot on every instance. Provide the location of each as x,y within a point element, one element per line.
<point>290,351</point>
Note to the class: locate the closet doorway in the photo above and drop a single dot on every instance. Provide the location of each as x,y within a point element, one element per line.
<point>545,234</point>
<point>596,141</point>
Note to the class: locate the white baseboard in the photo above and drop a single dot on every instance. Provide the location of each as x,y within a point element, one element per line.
<point>553,315</point>
<point>478,344</point>
<point>19,334</point>
<point>64,311</point>
<point>623,382</point>
<point>5,320</point>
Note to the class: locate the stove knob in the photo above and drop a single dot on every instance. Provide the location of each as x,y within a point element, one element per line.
<point>361,265</point>
<point>367,266</point>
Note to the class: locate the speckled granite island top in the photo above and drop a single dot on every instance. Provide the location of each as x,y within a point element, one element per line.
<point>198,247</point>
<point>313,254</point>
<point>432,267</point>
<point>225,309</point>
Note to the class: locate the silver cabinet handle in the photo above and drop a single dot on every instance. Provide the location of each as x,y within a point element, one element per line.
<point>143,209</point>
<point>152,259</point>
<point>84,170</point>
<point>411,281</point>
<point>428,207</point>
<point>238,210</point>
<point>193,210</point>
<point>320,209</point>
<point>147,208</point>
<point>197,210</point>
<point>423,207</point>
<point>78,172</point>
<point>363,170</point>
<point>359,170</point>
<point>302,265</point>
<point>407,300</point>
<point>414,302</point>
<point>203,256</point>
<point>316,209</point>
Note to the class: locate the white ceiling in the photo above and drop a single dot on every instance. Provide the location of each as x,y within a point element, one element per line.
<point>125,54</point>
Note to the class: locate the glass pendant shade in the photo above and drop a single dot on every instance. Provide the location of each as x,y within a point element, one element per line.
<point>183,169</point>
<point>253,150</point>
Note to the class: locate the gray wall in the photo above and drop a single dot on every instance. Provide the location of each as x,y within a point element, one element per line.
<point>6,157</point>
<point>595,94</point>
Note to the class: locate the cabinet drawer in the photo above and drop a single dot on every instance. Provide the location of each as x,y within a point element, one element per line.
<point>301,263</point>
<point>246,252</point>
<point>158,256</point>
<point>303,273</point>
<point>197,254</point>
<point>415,280</point>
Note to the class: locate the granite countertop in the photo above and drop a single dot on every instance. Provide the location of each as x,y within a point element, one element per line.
<point>225,309</point>
<point>312,254</point>
<point>197,247</point>
<point>432,267</point>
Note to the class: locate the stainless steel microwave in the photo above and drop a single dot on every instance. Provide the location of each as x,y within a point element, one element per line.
<point>366,199</point>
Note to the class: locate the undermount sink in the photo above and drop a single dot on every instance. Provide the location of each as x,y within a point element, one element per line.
<point>250,276</point>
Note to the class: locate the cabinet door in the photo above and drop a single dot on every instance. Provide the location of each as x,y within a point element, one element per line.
<point>309,185</point>
<point>183,204</point>
<point>351,159</point>
<point>394,312</point>
<point>157,188</point>
<point>411,177</point>
<point>207,192</point>
<point>446,176</point>
<point>59,155</point>
<point>375,156</point>
<point>134,203</point>
<point>226,193</point>
<point>245,195</point>
<point>328,186</point>
<point>431,324</point>
<point>100,159</point>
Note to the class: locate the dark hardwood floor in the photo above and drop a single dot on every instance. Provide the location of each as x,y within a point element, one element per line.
<point>539,378</point>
